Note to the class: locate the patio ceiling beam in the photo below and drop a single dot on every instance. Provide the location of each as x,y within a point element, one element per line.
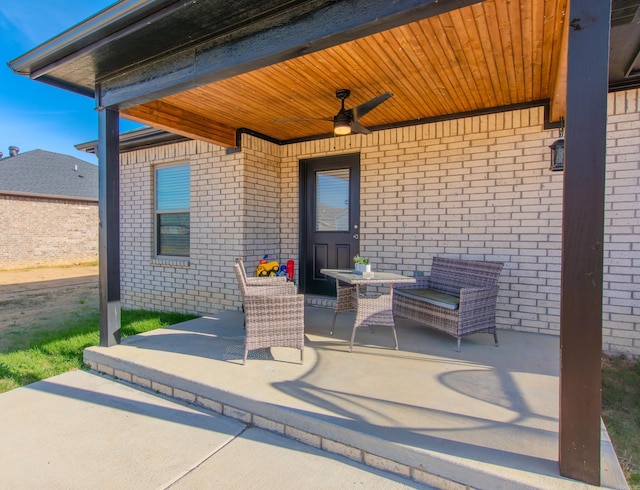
<point>582,241</point>
<point>311,27</point>
<point>179,121</point>
<point>558,102</point>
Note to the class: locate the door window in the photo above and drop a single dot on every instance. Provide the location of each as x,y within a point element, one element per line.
<point>332,200</point>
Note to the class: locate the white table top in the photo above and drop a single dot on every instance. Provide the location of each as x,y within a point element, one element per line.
<point>350,277</point>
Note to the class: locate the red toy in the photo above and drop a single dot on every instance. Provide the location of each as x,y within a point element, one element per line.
<point>290,270</point>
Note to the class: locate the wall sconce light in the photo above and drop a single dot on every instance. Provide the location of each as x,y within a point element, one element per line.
<point>557,151</point>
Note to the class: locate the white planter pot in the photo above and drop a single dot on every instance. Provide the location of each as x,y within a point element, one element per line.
<point>360,268</point>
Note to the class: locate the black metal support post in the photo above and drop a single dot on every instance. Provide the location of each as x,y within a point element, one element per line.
<point>582,237</point>
<point>109,211</point>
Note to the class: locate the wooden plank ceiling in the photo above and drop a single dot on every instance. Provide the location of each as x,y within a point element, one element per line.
<point>495,53</point>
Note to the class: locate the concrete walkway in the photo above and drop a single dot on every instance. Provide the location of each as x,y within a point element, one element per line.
<point>84,430</point>
<point>484,417</point>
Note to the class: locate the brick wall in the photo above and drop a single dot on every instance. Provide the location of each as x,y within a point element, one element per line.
<point>262,202</point>
<point>621,298</point>
<point>38,232</point>
<point>203,283</point>
<point>476,187</point>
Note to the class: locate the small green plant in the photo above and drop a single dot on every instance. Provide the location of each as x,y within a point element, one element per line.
<point>360,260</point>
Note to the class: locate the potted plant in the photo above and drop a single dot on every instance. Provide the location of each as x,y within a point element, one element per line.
<point>362,264</point>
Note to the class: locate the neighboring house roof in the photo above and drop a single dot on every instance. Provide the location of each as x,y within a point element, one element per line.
<point>47,173</point>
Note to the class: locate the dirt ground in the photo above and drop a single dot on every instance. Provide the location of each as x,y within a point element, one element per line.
<point>42,298</point>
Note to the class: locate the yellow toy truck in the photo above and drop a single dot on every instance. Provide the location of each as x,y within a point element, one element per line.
<point>267,269</point>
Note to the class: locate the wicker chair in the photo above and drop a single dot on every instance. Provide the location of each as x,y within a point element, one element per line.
<point>458,298</point>
<point>274,316</point>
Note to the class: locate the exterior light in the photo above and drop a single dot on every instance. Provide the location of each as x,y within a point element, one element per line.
<point>341,124</point>
<point>557,151</point>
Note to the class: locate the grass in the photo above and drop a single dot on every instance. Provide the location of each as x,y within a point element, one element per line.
<point>38,354</point>
<point>621,412</point>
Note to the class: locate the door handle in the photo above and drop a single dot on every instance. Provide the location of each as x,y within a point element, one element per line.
<point>356,236</point>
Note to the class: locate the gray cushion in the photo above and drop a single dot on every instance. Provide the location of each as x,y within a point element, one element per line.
<point>432,297</point>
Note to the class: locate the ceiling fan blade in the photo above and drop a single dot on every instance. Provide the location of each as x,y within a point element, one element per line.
<point>304,119</point>
<point>356,127</point>
<point>362,109</point>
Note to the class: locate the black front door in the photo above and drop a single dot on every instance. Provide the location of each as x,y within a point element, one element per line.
<point>329,219</point>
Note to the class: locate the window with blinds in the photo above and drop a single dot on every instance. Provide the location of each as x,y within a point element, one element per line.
<point>172,207</point>
<point>332,200</point>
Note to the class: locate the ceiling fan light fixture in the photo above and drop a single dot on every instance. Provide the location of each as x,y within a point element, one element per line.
<point>341,125</point>
<point>346,122</point>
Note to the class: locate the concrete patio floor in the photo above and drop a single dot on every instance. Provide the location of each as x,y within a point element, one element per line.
<point>486,417</point>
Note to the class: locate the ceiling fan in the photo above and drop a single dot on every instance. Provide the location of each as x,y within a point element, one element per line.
<point>346,120</point>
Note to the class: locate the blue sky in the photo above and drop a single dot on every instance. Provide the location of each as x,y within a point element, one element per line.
<point>34,115</point>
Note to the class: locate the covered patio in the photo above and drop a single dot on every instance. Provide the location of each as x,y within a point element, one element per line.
<point>478,87</point>
<point>485,417</point>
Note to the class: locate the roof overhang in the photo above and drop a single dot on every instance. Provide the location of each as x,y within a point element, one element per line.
<point>137,139</point>
<point>206,69</point>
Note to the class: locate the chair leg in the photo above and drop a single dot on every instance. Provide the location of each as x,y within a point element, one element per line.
<point>302,356</point>
<point>459,340</point>
<point>246,353</point>
<point>395,336</point>
<point>495,338</point>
